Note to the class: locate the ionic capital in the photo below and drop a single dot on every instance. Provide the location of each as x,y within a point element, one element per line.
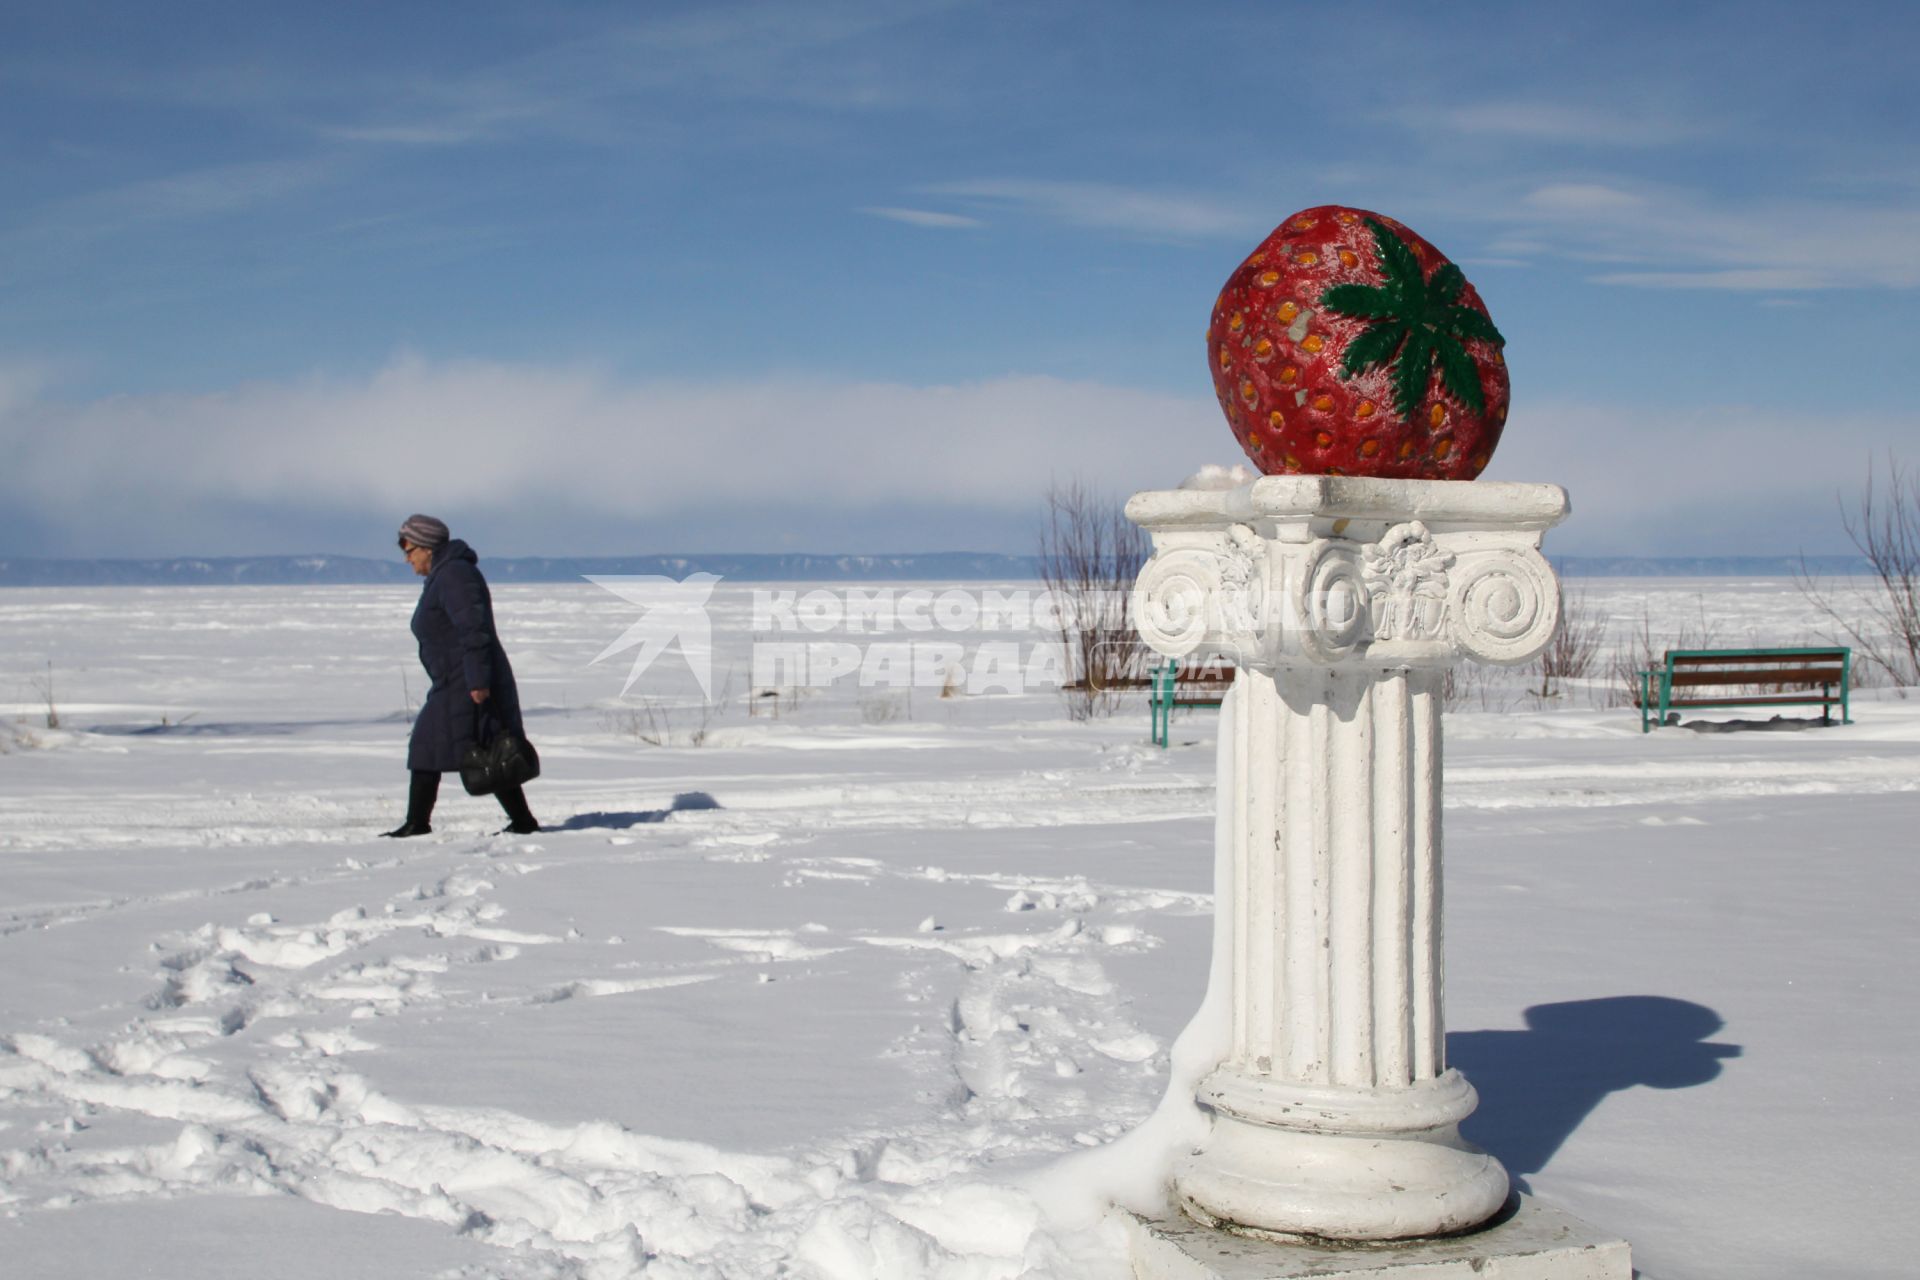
<point>1324,571</point>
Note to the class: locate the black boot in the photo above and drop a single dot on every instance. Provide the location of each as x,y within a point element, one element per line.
<point>421,793</point>
<point>520,820</point>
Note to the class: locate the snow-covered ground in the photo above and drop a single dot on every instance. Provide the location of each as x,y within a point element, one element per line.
<point>818,996</point>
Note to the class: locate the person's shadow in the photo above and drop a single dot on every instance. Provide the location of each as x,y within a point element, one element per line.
<point>1537,1085</point>
<point>602,820</point>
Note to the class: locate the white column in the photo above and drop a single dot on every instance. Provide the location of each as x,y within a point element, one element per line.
<point>1343,602</point>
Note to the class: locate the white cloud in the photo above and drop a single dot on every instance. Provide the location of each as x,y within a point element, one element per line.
<point>49,234</point>
<point>735,467</point>
<point>1112,207</point>
<point>1746,279</point>
<point>633,76</point>
<point>1675,238</point>
<point>1561,123</point>
<point>1581,197</point>
<point>448,132</point>
<point>558,445</point>
<point>1722,479</point>
<point>924,218</point>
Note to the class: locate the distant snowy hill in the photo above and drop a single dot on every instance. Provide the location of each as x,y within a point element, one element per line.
<point>934,566</point>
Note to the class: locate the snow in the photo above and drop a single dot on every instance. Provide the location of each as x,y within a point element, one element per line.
<point>860,991</point>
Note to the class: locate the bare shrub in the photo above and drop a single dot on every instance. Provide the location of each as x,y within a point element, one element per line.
<point>660,723</point>
<point>1090,554</point>
<point>882,708</point>
<point>1575,647</point>
<point>43,690</point>
<point>776,700</point>
<point>646,719</point>
<point>1884,526</point>
<point>1631,656</point>
<point>1642,651</point>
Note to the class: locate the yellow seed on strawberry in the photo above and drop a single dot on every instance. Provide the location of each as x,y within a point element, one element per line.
<point>1312,342</point>
<point>1226,357</point>
<point>1263,349</point>
<point>1293,463</point>
<point>1267,279</point>
<point>1289,374</point>
<point>1406,450</point>
<point>1275,421</point>
<point>1323,402</point>
<point>1364,409</point>
<point>1286,312</point>
<point>1307,258</point>
<point>1236,323</point>
<point>1248,393</point>
<point>1348,258</point>
<point>1437,415</point>
<point>1323,439</point>
<point>1303,224</point>
<point>1443,448</point>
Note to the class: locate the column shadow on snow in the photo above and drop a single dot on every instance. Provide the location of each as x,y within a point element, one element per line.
<point>1537,1086</point>
<point>601,820</point>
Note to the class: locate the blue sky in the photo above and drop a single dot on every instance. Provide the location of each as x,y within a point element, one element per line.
<point>861,277</point>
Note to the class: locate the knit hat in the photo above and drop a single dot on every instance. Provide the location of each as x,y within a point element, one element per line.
<point>424,531</point>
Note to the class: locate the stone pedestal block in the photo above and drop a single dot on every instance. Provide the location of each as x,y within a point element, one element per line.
<point>1532,1242</point>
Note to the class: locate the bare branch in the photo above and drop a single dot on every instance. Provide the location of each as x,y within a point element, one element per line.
<point>1884,527</point>
<point>1090,554</point>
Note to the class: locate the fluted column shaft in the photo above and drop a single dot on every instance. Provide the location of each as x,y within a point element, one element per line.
<point>1343,848</point>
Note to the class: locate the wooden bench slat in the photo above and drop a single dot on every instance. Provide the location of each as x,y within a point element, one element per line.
<point>1722,656</point>
<point>1203,677</point>
<point>1798,675</point>
<point>1815,700</point>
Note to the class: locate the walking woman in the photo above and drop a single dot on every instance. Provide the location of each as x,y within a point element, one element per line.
<point>467,670</point>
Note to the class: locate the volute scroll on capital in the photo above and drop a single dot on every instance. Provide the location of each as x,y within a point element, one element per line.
<point>1203,589</point>
<point>1503,605</point>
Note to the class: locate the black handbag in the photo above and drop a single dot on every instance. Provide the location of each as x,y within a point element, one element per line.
<point>498,758</point>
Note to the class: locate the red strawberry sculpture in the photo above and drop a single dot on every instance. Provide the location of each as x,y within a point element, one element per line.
<point>1347,345</point>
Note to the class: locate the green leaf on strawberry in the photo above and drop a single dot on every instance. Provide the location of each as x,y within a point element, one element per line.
<point>1417,324</point>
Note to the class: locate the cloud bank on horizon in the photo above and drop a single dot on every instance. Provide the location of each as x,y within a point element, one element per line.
<point>863,276</point>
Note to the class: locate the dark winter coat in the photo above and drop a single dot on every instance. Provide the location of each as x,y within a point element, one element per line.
<point>461,652</point>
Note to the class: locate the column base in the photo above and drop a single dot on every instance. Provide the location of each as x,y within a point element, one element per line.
<point>1288,1161</point>
<point>1528,1241</point>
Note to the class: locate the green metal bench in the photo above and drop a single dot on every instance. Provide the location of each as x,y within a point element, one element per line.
<point>1174,686</point>
<point>1690,678</point>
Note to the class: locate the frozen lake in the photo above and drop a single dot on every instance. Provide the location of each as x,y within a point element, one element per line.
<point>807,998</point>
